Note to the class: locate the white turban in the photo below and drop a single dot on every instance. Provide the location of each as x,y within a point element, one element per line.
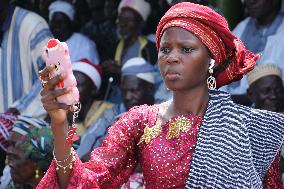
<point>91,70</point>
<point>263,70</point>
<point>63,7</point>
<point>140,68</point>
<point>140,6</point>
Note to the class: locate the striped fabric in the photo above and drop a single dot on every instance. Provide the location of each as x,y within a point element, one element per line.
<point>236,145</point>
<point>21,55</point>
<point>6,125</point>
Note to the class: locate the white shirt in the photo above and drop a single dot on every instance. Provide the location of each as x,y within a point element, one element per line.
<point>81,47</point>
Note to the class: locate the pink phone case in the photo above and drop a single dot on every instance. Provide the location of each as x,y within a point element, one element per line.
<point>56,52</point>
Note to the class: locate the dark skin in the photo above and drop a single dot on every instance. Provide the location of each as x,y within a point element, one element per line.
<point>184,63</point>
<point>61,26</point>
<point>97,9</point>
<point>136,91</point>
<point>110,9</point>
<point>43,8</point>
<point>262,10</point>
<point>130,24</point>
<point>22,168</point>
<point>266,93</point>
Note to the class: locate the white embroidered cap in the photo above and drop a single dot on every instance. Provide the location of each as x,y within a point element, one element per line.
<point>263,70</point>
<point>139,67</point>
<point>63,7</point>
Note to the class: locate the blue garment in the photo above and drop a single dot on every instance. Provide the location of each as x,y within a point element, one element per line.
<point>255,36</point>
<point>96,133</point>
<point>235,145</point>
<point>24,35</point>
<point>132,51</point>
<point>267,40</point>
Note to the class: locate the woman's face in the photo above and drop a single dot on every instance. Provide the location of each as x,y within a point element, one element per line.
<point>183,60</point>
<point>22,169</point>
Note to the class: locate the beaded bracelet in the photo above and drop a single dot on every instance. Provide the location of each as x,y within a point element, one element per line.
<point>70,165</point>
<point>64,160</point>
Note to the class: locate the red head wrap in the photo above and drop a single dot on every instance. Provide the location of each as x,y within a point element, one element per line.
<point>213,30</point>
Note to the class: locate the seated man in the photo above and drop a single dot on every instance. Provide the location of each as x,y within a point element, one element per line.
<point>261,32</point>
<point>132,15</point>
<point>266,88</point>
<point>266,92</point>
<point>80,47</point>
<point>137,85</point>
<point>61,17</point>
<point>22,36</point>
<point>89,80</point>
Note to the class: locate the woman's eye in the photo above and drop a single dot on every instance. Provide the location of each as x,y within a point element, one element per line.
<point>165,50</point>
<point>187,50</point>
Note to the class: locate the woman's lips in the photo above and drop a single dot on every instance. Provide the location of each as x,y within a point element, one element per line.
<point>171,75</point>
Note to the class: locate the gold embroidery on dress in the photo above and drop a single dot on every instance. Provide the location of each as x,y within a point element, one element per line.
<point>150,133</point>
<point>176,125</point>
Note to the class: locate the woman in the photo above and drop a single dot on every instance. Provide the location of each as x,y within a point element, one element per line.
<point>200,139</point>
<point>29,152</point>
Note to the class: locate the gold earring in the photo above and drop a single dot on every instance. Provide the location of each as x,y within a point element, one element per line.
<point>36,173</point>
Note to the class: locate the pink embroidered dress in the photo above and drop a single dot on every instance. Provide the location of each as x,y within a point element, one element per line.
<point>165,153</point>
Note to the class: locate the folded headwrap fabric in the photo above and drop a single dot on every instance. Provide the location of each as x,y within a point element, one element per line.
<point>94,72</point>
<point>139,67</point>
<point>37,141</point>
<point>140,6</point>
<point>6,125</point>
<point>213,31</point>
<point>63,7</point>
<point>263,70</point>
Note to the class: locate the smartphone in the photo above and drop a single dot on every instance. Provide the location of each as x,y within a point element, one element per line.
<point>57,53</point>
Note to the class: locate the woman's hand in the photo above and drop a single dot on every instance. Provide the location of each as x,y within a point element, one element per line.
<point>57,111</point>
<point>58,115</point>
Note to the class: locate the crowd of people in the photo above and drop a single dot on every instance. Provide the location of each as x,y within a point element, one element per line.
<point>170,97</point>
